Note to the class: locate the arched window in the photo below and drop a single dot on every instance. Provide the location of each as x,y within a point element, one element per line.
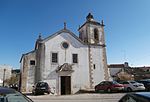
<point>96,35</point>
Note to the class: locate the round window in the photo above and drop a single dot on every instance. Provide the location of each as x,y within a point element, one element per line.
<point>65,45</point>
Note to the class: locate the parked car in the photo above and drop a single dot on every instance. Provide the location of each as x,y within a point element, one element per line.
<point>14,86</point>
<point>146,84</point>
<point>11,95</point>
<point>133,86</point>
<point>109,86</point>
<point>41,88</point>
<point>136,97</point>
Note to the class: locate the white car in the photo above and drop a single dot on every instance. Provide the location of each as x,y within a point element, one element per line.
<point>133,86</point>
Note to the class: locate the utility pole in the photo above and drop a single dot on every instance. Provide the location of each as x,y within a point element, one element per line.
<point>4,77</point>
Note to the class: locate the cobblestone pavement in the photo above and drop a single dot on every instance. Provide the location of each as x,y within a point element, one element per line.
<point>101,97</point>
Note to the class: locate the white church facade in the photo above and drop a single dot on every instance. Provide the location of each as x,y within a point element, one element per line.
<point>67,62</point>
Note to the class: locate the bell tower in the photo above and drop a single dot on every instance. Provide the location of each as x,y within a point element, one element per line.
<point>92,32</point>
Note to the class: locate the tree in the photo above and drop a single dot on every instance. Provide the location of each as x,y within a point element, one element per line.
<point>125,76</point>
<point>12,80</point>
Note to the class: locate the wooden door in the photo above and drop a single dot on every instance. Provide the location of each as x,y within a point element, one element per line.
<point>65,85</point>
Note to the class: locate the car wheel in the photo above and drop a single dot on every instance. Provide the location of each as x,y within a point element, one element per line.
<point>34,93</point>
<point>96,91</point>
<point>129,89</point>
<point>108,90</point>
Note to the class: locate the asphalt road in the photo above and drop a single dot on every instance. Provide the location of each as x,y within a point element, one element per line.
<point>101,97</point>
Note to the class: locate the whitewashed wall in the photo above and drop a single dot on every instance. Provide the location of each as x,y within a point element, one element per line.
<point>80,76</point>
<point>98,72</point>
<point>30,72</point>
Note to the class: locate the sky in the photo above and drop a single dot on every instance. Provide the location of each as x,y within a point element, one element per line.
<point>127,26</point>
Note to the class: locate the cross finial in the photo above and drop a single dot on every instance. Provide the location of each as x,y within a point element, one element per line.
<point>89,17</point>
<point>79,26</point>
<point>40,36</point>
<point>102,23</point>
<point>64,25</point>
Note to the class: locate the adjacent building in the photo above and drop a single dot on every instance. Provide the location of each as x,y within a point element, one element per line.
<point>5,73</point>
<point>67,62</point>
<point>126,72</point>
<point>115,68</point>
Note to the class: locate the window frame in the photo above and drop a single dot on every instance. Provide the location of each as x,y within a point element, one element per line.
<point>54,62</point>
<point>94,66</point>
<point>64,47</point>
<point>31,62</point>
<point>75,61</point>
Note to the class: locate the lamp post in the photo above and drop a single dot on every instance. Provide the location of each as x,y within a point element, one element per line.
<point>4,77</point>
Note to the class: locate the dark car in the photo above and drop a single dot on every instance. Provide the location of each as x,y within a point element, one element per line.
<point>14,86</point>
<point>136,97</point>
<point>11,95</point>
<point>146,84</point>
<point>109,86</point>
<point>41,88</point>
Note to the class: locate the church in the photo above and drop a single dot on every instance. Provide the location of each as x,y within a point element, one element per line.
<point>68,63</point>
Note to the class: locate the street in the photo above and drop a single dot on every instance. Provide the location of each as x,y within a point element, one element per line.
<point>101,97</point>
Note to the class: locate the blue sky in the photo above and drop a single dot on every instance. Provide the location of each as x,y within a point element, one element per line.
<point>127,29</point>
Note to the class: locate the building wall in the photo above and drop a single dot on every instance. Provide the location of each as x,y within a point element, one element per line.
<point>114,71</point>
<point>97,61</point>
<point>8,70</point>
<point>27,72</point>
<point>88,72</point>
<point>79,78</point>
<point>83,34</point>
<point>92,63</point>
<point>91,28</point>
<point>98,54</point>
<point>83,71</point>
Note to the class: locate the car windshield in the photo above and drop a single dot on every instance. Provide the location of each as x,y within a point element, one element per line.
<point>114,82</point>
<point>41,84</point>
<point>1,98</point>
<point>133,82</point>
<point>16,98</point>
<point>146,80</point>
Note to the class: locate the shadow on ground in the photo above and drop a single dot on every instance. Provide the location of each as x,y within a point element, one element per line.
<point>85,91</point>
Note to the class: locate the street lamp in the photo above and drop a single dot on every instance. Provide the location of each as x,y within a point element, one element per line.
<point>4,77</point>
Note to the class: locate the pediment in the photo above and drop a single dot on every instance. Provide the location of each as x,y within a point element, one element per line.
<point>61,32</point>
<point>65,68</point>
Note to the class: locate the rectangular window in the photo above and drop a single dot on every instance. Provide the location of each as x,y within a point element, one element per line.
<point>32,62</point>
<point>75,58</point>
<point>94,66</point>
<point>54,57</point>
